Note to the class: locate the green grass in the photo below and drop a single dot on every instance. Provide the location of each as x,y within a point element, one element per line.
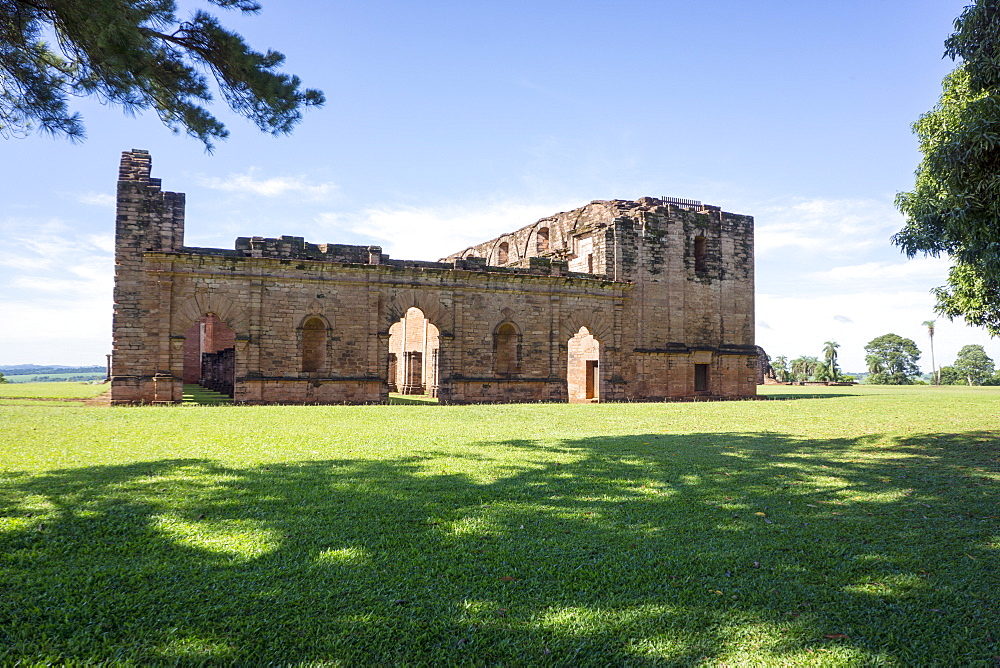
<point>201,396</point>
<point>858,528</point>
<point>412,399</point>
<point>51,390</point>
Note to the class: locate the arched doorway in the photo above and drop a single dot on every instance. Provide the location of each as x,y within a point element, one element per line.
<point>210,354</point>
<point>413,355</point>
<point>583,375</point>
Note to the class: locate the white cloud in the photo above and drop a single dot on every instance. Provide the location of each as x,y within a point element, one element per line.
<point>923,269</point>
<point>824,226</point>
<point>97,199</point>
<point>275,186</point>
<point>105,242</point>
<point>55,293</point>
<point>432,233</point>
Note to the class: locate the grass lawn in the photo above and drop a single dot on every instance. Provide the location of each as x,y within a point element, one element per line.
<point>844,526</point>
<point>53,390</point>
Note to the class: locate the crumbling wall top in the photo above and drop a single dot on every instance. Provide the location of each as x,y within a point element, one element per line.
<point>137,165</point>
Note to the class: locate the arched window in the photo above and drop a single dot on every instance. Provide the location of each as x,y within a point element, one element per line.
<point>505,353</point>
<point>700,263</point>
<point>313,345</point>
<point>543,239</point>
<point>502,253</point>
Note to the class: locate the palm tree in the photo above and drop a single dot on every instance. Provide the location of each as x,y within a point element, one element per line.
<point>804,367</point>
<point>874,364</point>
<point>935,377</point>
<point>830,355</point>
<point>780,367</point>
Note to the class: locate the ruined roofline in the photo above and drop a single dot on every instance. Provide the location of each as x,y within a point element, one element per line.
<point>538,266</point>
<point>135,170</point>
<point>614,208</point>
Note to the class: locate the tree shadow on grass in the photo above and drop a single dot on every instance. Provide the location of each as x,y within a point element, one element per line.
<point>646,549</point>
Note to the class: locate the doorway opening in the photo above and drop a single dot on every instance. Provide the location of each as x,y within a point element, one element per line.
<point>210,355</point>
<point>413,358</point>
<point>583,375</point>
<point>701,378</point>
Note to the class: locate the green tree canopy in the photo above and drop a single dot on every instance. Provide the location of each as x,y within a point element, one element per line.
<point>3,380</point>
<point>892,360</point>
<point>951,376</point>
<point>954,207</point>
<point>804,367</point>
<point>974,365</point>
<point>137,54</point>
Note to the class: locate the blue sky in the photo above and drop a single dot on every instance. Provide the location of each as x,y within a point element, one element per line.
<point>448,123</point>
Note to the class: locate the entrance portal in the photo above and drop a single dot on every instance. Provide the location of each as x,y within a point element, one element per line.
<point>413,355</point>
<point>583,375</point>
<point>210,354</point>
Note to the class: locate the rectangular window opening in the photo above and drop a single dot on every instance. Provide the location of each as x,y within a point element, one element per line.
<point>700,252</point>
<point>700,377</point>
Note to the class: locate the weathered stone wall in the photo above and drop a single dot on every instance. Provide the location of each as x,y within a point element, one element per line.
<point>684,310</point>
<point>652,312</point>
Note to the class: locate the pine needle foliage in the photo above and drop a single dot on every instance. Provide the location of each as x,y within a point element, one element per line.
<point>139,55</point>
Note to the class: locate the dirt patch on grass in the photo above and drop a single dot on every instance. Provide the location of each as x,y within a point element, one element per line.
<point>99,400</point>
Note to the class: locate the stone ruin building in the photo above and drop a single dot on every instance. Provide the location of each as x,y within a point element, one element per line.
<point>614,301</point>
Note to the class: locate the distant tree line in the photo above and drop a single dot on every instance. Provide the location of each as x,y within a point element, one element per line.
<point>25,369</point>
<point>891,360</point>
<point>82,378</point>
<point>809,368</point>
